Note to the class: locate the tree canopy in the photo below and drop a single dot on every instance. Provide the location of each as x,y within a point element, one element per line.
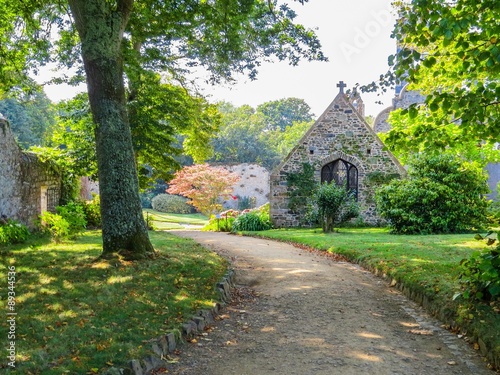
<point>116,44</point>
<point>242,137</point>
<point>284,112</point>
<point>31,117</point>
<point>450,51</point>
<point>261,135</point>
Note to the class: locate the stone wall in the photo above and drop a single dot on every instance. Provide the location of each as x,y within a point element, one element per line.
<point>28,186</point>
<point>88,188</point>
<point>340,133</point>
<point>253,183</point>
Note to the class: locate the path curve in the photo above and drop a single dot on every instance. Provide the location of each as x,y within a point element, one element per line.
<point>301,313</point>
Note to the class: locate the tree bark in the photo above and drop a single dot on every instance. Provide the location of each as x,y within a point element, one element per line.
<point>100,26</point>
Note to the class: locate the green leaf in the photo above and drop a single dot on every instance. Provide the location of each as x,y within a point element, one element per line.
<point>413,112</point>
<point>429,62</point>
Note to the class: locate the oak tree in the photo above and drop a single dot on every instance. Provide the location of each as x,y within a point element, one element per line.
<point>105,39</point>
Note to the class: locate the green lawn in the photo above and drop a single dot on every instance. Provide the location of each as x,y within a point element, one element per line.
<point>428,267</point>
<point>166,221</point>
<point>78,314</point>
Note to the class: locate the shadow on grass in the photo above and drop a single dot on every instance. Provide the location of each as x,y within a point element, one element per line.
<point>78,313</point>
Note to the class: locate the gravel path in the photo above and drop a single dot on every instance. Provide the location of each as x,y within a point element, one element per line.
<point>296,312</point>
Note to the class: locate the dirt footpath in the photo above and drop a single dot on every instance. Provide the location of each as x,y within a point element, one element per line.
<point>296,312</point>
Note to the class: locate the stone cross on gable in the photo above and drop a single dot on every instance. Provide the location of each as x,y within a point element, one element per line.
<point>341,85</point>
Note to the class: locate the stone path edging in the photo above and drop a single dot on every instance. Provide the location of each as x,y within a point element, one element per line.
<point>167,343</point>
<point>436,310</point>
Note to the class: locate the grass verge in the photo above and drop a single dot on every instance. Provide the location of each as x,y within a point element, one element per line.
<point>166,221</point>
<point>78,314</point>
<point>426,268</point>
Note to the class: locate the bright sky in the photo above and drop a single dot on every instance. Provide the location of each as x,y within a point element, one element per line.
<point>355,36</point>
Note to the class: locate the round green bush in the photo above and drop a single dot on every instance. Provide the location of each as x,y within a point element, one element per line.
<point>12,232</point>
<point>442,194</point>
<point>173,204</point>
<point>92,210</point>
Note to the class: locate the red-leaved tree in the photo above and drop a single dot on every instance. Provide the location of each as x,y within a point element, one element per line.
<point>204,185</point>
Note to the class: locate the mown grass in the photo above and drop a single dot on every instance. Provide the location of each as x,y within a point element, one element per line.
<point>79,314</point>
<point>427,266</point>
<point>166,221</point>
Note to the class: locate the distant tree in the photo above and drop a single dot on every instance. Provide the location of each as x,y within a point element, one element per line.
<point>282,141</point>
<point>204,186</point>
<point>246,135</point>
<point>279,114</point>
<point>31,116</point>
<point>243,137</point>
<point>73,136</point>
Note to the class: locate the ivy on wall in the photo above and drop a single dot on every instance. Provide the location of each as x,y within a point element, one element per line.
<point>301,186</point>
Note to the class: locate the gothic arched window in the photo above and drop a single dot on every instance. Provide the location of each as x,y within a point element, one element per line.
<point>343,173</point>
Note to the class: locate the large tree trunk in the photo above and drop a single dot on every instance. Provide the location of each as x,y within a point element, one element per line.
<point>100,26</point>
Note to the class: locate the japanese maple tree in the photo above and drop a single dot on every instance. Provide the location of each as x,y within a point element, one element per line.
<point>204,185</point>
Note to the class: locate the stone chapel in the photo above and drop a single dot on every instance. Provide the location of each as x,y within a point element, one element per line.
<point>341,147</point>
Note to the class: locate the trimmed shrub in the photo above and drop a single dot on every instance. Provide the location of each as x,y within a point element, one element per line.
<point>174,204</point>
<point>12,231</point>
<point>92,211</point>
<point>335,205</point>
<point>442,194</point>
<point>68,222</point>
